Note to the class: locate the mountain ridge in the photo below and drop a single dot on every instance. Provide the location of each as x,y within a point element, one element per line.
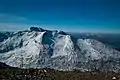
<point>40,48</point>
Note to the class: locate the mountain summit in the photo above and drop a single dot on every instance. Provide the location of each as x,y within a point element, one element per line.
<point>40,48</point>
<point>36,29</point>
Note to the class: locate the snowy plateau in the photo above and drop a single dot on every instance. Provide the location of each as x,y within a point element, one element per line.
<point>40,48</point>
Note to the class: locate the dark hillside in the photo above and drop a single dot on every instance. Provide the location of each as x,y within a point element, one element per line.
<point>50,74</point>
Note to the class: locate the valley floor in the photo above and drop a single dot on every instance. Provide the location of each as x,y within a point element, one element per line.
<point>50,74</point>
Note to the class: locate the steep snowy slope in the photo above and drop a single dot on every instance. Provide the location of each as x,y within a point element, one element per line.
<point>39,48</point>
<point>4,35</point>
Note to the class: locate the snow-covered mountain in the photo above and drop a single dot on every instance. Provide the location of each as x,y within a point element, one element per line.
<point>4,35</point>
<point>39,48</point>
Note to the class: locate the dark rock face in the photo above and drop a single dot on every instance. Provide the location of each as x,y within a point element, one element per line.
<point>3,65</point>
<point>4,35</point>
<point>62,32</point>
<point>36,29</point>
<point>40,29</point>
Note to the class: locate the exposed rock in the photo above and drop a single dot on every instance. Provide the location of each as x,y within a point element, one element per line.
<point>36,29</point>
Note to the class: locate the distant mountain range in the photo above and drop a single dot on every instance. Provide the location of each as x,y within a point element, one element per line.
<point>40,48</point>
<point>112,39</point>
